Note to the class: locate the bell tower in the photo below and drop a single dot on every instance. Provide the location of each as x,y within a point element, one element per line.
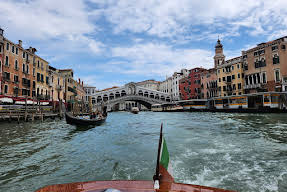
<point>219,56</point>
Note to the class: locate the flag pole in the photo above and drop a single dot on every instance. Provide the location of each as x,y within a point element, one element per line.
<point>156,177</point>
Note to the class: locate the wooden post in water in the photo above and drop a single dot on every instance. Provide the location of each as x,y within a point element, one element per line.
<point>34,110</point>
<point>60,108</point>
<point>18,117</point>
<point>10,114</point>
<point>26,114</point>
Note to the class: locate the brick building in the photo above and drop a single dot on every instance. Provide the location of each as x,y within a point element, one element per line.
<point>190,86</point>
<point>209,83</point>
<point>17,79</point>
<point>57,80</point>
<point>265,67</point>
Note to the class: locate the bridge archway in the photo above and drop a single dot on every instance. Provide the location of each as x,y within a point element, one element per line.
<point>111,96</point>
<point>117,94</point>
<point>123,93</point>
<point>156,96</point>
<point>99,99</point>
<point>105,98</point>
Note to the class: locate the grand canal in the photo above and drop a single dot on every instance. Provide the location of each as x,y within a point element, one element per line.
<point>244,152</point>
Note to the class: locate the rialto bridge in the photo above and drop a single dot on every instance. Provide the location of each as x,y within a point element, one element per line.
<point>129,92</point>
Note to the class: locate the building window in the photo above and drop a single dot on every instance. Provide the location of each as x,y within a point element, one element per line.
<point>223,78</point>
<point>238,75</point>
<point>233,76</point>
<point>7,61</point>
<point>274,48</point>
<point>27,69</point>
<point>276,59</point>
<point>238,66</point>
<point>13,49</point>
<point>264,77</point>
<point>239,85</point>
<point>0,48</point>
<point>47,80</point>
<point>23,67</point>
<point>38,77</point>
<point>16,64</point>
<point>6,89</point>
<point>24,54</point>
<point>7,46</point>
<point>277,75</point>
<point>34,72</point>
<point>0,66</point>
<point>223,70</point>
<point>16,50</point>
<point>42,78</point>
<point>38,64</point>
<point>224,88</point>
<point>16,79</point>
<point>232,67</point>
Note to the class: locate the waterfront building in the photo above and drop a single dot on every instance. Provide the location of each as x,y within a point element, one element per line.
<point>74,90</point>
<point>57,80</point>
<point>171,84</point>
<point>230,76</point>
<point>190,86</point>
<point>166,85</point>
<point>90,91</point>
<point>17,77</point>
<point>40,71</point>
<point>70,88</point>
<point>81,93</point>
<point>209,83</point>
<point>149,84</point>
<point>265,67</point>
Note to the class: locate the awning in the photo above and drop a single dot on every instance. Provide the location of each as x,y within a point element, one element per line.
<point>6,100</point>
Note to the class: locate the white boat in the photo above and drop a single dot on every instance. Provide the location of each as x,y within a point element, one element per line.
<point>135,110</point>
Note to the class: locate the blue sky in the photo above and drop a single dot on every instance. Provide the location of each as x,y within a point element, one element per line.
<point>113,42</point>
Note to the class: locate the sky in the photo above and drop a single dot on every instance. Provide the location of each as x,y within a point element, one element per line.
<point>112,42</point>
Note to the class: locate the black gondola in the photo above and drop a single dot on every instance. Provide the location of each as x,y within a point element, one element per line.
<point>70,119</point>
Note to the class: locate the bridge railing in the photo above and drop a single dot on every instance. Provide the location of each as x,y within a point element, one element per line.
<point>133,98</point>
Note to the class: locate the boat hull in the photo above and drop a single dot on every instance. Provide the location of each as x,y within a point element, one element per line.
<point>70,119</point>
<point>127,186</point>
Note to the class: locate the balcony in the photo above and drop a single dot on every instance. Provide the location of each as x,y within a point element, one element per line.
<point>254,86</point>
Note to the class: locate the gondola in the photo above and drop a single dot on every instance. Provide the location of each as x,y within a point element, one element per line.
<point>70,119</point>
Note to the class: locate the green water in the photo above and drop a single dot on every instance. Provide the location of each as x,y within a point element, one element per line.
<point>244,152</point>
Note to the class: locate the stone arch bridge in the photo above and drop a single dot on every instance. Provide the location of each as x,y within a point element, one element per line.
<point>130,92</point>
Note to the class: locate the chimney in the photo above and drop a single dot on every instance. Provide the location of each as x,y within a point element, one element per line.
<point>20,43</point>
<point>82,83</point>
<point>79,81</point>
<point>30,49</point>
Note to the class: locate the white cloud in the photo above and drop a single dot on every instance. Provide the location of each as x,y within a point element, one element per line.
<point>156,59</point>
<point>58,27</point>
<point>173,19</point>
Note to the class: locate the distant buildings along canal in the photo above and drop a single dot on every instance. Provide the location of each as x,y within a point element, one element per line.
<point>24,74</point>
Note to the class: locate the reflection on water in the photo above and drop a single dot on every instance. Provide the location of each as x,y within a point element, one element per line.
<point>244,152</point>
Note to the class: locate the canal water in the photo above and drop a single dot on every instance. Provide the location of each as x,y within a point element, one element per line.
<point>244,152</point>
